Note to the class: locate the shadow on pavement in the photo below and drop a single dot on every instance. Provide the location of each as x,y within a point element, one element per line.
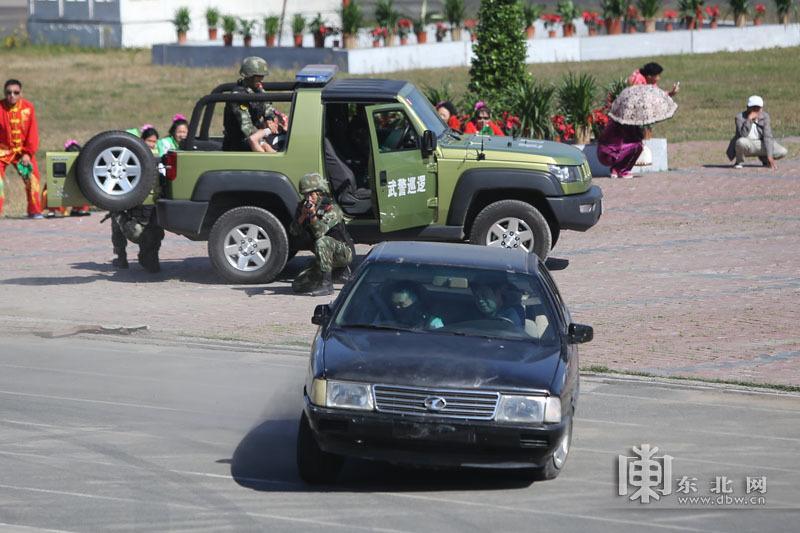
<point>265,460</point>
<point>191,270</point>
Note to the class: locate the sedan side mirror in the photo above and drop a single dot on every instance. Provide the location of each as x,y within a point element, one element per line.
<point>428,143</point>
<point>322,314</point>
<point>580,333</point>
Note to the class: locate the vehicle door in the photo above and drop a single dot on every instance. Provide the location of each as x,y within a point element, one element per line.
<point>405,181</point>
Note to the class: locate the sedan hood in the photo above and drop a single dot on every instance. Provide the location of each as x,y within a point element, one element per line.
<point>438,360</point>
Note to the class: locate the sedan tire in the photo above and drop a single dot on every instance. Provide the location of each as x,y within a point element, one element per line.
<point>315,466</point>
<point>555,461</point>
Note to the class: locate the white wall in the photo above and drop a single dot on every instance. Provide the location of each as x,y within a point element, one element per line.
<point>146,22</point>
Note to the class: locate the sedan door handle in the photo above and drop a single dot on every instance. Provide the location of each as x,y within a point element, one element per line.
<point>382,177</point>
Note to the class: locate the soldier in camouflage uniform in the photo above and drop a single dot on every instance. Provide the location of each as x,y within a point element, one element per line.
<point>139,226</point>
<point>319,215</point>
<point>241,118</point>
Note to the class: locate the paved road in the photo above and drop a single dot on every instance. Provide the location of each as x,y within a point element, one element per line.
<point>100,433</point>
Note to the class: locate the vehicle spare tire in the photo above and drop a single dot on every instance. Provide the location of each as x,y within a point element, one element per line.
<point>116,170</point>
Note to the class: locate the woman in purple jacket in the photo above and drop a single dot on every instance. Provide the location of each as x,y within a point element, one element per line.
<point>619,147</point>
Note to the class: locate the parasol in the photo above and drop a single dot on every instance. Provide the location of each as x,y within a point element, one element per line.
<point>641,105</point>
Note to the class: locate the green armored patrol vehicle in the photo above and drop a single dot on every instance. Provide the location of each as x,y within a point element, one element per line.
<point>394,167</point>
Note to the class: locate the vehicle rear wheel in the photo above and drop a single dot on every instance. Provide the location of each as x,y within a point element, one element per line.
<point>248,245</point>
<point>314,465</point>
<point>512,224</point>
<point>116,170</point>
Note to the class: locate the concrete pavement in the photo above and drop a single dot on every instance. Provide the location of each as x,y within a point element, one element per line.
<point>101,433</point>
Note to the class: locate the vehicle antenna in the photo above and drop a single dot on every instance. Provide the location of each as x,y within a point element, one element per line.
<point>481,155</point>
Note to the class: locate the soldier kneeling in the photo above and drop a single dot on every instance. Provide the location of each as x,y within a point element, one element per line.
<point>137,225</point>
<point>319,215</point>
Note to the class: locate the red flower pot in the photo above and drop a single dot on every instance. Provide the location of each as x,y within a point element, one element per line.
<point>713,24</point>
<point>181,37</point>
<point>376,44</point>
<point>551,33</point>
<point>614,26</point>
<point>269,40</point>
<point>212,34</point>
<point>422,37</point>
<point>530,32</point>
<point>592,31</point>
<point>248,40</point>
<point>756,22</point>
<point>569,30</point>
<point>403,41</point>
<point>227,39</point>
<point>298,40</point>
<point>668,26</point>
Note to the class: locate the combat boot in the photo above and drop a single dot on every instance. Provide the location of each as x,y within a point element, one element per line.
<point>326,288</point>
<point>149,262</point>
<point>343,275</point>
<point>121,261</point>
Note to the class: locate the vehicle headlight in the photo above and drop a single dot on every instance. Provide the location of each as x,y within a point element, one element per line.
<point>566,174</point>
<point>529,409</point>
<point>347,395</point>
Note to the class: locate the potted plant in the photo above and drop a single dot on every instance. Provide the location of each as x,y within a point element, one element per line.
<point>533,103</point>
<point>670,16</point>
<point>298,27</point>
<point>758,17</point>
<point>568,12</point>
<point>271,24</point>
<point>576,102</point>
<point>631,18</point>
<point>471,25</point>
<point>318,30</point>
<point>441,31</point>
<point>387,16</point>
<point>712,12</point>
<point>182,22</point>
<point>551,20</point>
<point>593,21</point>
<point>692,13</point>
<point>352,18</point>
<point>613,11</point>
<point>404,27</point>
<point>378,34</point>
<point>649,10</point>
<point>784,7</point>
<point>530,14</point>
<point>739,9</point>
<point>419,31</point>
<point>246,29</point>
<point>228,29</point>
<point>212,20</point>
<point>454,14</point>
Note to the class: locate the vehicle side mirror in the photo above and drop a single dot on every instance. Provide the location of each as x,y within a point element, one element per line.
<point>322,314</point>
<point>428,143</point>
<point>580,333</point>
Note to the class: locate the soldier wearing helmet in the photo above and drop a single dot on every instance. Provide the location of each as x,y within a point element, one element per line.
<point>323,220</point>
<point>241,118</point>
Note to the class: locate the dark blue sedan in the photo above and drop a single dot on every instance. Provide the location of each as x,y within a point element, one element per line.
<point>442,355</point>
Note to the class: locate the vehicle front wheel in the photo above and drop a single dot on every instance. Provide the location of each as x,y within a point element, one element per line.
<point>116,170</point>
<point>555,461</point>
<point>248,245</point>
<point>314,465</point>
<point>512,224</point>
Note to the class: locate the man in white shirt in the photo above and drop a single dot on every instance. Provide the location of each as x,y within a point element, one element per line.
<point>753,137</point>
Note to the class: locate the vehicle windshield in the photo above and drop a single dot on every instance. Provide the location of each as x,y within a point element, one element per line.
<point>426,112</point>
<point>449,300</point>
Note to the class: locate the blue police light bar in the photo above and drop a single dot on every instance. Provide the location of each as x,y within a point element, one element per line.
<point>316,74</point>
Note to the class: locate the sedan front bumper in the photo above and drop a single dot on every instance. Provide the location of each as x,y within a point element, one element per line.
<point>432,441</point>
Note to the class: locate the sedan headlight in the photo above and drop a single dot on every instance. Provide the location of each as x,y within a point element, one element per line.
<point>348,395</point>
<point>566,174</point>
<point>528,409</point>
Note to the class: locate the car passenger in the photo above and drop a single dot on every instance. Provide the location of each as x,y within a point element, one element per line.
<point>271,135</point>
<point>490,302</point>
<point>408,307</point>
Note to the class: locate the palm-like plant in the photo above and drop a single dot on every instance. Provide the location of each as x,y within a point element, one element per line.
<point>246,27</point>
<point>531,13</point>
<point>298,24</point>
<point>352,18</point>
<point>740,9</point>
<point>784,9</point>
<point>568,11</point>
<point>212,17</point>
<point>228,24</point>
<point>648,8</point>
<point>454,12</point>
<point>443,92</point>
<point>613,8</point>
<point>533,104</point>
<point>577,96</point>
<point>386,15</point>
<point>182,20</point>
<point>271,24</point>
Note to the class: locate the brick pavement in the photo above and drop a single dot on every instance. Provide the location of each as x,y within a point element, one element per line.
<point>691,272</point>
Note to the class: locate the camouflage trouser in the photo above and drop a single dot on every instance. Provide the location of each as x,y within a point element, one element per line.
<point>137,225</point>
<point>329,253</point>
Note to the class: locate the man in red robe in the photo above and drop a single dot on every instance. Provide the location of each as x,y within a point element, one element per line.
<point>19,140</point>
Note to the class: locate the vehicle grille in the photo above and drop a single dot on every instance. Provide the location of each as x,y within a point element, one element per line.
<point>474,405</point>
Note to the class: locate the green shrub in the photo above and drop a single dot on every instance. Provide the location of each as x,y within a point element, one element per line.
<point>532,103</point>
<point>246,27</point>
<point>212,17</point>
<point>613,8</point>
<point>577,97</point>
<point>228,24</point>
<point>182,20</point>
<point>438,94</point>
<point>738,7</point>
<point>568,11</point>
<point>352,18</point>
<point>649,8</point>
<point>531,13</point>
<point>499,53</point>
<point>271,24</point>
<point>298,24</point>
<point>386,15</point>
<point>454,12</point>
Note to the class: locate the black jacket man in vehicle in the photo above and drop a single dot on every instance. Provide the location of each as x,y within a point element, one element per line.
<point>241,117</point>
<point>319,215</point>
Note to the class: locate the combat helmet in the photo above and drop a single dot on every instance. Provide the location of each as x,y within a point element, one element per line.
<point>313,182</point>
<point>253,66</point>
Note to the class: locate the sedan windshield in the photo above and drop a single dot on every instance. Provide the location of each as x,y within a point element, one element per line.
<point>449,300</point>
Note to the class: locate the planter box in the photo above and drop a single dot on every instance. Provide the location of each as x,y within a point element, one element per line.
<point>657,146</point>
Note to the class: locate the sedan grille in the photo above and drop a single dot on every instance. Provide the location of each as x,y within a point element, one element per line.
<point>448,403</point>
